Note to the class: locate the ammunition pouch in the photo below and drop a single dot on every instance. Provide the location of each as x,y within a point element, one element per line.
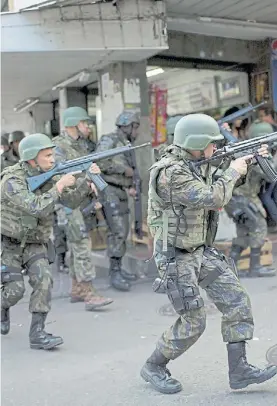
<point>183,297</point>
<point>10,274</point>
<point>215,264</point>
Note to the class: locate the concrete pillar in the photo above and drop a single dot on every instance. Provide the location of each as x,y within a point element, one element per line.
<point>124,86</point>
<point>63,104</point>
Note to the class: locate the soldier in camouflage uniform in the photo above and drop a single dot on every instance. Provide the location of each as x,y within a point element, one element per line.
<point>72,144</point>
<point>26,224</point>
<point>14,139</point>
<point>7,157</point>
<point>118,173</point>
<point>182,217</point>
<point>251,225</point>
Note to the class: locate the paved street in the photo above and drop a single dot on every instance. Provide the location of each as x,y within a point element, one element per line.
<point>99,363</point>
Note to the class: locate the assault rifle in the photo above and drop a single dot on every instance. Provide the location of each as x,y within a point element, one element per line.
<point>243,148</point>
<point>80,165</point>
<point>232,117</point>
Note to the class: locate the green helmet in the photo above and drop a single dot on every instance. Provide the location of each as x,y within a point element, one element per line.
<point>5,139</point>
<point>73,115</point>
<point>196,131</point>
<point>16,136</point>
<point>31,145</point>
<point>127,118</point>
<point>259,128</point>
<point>171,124</point>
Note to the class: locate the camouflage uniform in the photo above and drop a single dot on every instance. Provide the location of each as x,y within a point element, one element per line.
<point>80,266</point>
<point>113,172</point>
<point>251,232</point>
<point>182,218</point>
<point>26,223</point>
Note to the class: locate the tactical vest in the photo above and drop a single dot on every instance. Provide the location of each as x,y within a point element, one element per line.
<point>17,224</point>
<point>178,225</point>
<point>116,179</point>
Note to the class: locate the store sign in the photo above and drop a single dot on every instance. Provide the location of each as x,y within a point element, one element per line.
<point>158,115</point>
<point>192,97</point>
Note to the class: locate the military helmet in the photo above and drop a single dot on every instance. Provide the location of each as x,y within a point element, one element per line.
<point>31,145</point>
<point>5,139</point>
<point>196,131</point>
<point>171,124</point>
<point>259,128</point>
<point>16,136</point>
<point>73,115</point>
<point>127,118</point>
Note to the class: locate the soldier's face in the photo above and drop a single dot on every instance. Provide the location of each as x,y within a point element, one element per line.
<point>208,152</point>
<point>45,159</point>
<point>84,128</point>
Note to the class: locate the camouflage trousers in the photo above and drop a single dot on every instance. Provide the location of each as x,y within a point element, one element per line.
<point>254,235</point>
<point>224,290</point>
<point>116,238</point>
<point>81,266</point>
<point>34,260</point>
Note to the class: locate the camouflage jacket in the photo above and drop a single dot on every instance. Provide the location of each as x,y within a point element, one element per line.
<point>29,216</point>
<point>8,159</point>
<point>113,169</point>
<point>183,205</point>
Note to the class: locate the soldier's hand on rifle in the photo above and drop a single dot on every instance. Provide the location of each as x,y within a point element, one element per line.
<point>65,181</point>
<point>93,188</point>
<point>240,164</point>
<point>226,127</point>
<point>132,192</point>
<point>263,151</point>
<point>129,172</point>
<point>95,169</point>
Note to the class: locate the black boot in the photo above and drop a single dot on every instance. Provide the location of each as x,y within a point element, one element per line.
<point>116,278</point>
<point>5,321</point>
<point>39,339</point>
<point>61,263</point>
<point>242,374</point>
<point>155,372</point>
<point>256,269</point>
<point>126,275</point>
<point>235,253</point>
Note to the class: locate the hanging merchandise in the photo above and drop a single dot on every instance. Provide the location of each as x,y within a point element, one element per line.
<point>274,72</point>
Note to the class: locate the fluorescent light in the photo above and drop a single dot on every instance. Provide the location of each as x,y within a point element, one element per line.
<point>81,76</point>
<point>26,105</point>
<point>154,72</point>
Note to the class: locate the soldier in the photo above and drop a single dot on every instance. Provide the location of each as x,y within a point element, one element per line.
<point>26,223</point>
<point>251,225</point>
<point>14,139</point>
<point>182,217</point>
<point>72,144</point>
<point>118,173</point>
<point>7,158</point>
<point>170,127</point>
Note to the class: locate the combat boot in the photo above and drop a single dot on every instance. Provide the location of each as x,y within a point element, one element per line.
<point>5,321</point>
<point>155,372</point>
<point>125,275</point>
<point>76,294</point>
<point>39,339</point>
<point>92,299</point>
<point>116,278</point>
<point>61,263</point>
<point>242,374</point>
<point>256,269</point>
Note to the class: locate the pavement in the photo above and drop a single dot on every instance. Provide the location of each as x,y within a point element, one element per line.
<point>103,351</point>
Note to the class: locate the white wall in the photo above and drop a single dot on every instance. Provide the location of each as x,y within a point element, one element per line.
<point>11,121</point>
